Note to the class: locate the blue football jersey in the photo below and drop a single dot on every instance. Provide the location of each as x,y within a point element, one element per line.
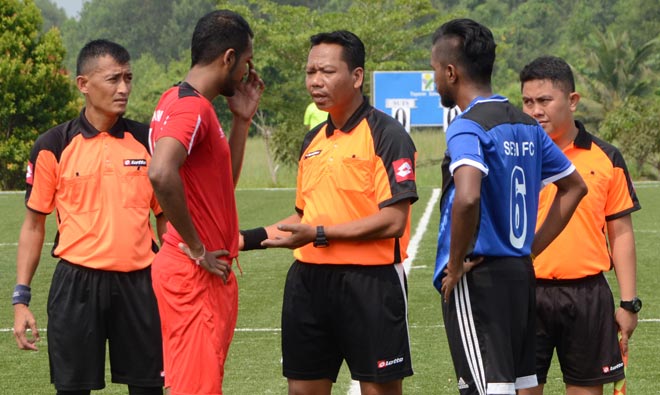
<point>517,158</point>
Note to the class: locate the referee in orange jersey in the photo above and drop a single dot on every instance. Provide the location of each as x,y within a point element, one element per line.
<point>92,171</point>
<point>575,311</point>
<point>345,294</point>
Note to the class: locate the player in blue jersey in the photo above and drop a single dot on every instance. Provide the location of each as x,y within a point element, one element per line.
<point>497,160</point>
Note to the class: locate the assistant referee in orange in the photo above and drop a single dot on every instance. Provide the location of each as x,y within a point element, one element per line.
<point>575,309</point>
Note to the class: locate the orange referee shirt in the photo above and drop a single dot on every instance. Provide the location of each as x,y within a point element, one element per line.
<point>581,249</point>
<point>97,181</point>
<point>348,174</point>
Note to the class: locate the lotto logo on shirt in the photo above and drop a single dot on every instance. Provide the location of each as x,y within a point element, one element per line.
<point>403,170</point>
<point>29,173</point>
<point>135,162</point>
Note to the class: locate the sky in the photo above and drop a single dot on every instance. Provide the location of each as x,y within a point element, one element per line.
<point>72,7</point>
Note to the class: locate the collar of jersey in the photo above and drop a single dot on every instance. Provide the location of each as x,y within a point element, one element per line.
<point>583,139</point>
<point>88,131</point>
<point>479,99</point>
<point>353,121</point>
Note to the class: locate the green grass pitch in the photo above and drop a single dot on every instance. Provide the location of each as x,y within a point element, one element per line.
<point>253,365</point>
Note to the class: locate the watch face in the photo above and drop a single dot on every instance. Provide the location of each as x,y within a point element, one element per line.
<point>634,305</point>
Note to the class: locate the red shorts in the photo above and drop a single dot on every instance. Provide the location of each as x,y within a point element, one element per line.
<point>198,316</point>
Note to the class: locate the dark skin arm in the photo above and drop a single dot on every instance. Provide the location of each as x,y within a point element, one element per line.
<point>467,200</point>
<point>169,155</point>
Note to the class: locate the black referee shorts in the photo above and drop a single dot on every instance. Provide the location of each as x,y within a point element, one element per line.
<point>86,309</point>
<point>576,317</point>
<point>352,312</point>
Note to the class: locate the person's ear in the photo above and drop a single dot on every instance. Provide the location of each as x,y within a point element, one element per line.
<point>82,82</point>
<point>573,100</point>
<point>229,57</point>
<point>452,73</point>
<point>358,77</point>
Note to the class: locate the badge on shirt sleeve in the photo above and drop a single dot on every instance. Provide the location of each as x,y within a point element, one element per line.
<point>29,173</point>
<point>403,170</point>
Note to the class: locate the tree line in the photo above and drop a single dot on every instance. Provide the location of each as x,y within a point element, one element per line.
<point>612,46</point>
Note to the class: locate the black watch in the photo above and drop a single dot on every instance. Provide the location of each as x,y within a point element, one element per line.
<point>321,241</point>
<point>634,305</point>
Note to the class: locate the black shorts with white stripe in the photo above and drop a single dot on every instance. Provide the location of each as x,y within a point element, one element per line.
<point>490,322</point>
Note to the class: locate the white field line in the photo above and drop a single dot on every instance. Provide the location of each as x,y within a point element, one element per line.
<point>413,246</point>
<point>258,330</point>
<point>423,223</point>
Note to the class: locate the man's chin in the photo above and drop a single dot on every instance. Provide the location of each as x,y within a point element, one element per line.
<point>447,103</point>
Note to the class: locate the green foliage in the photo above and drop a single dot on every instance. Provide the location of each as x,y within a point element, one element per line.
<point>35,93</point>
<point>616,69</point>
<point>53,15</point>
<point>150,80</point>
<point>161,28</point>
<point>280,53</point>
<point>636,127</point>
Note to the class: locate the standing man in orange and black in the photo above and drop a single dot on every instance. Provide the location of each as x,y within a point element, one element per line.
<point>345,295</point>
<point>93,171</point>
<point>574,301</point>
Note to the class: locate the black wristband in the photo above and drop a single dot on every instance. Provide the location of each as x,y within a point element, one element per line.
<point>252,238</point>
<point>21,295</point>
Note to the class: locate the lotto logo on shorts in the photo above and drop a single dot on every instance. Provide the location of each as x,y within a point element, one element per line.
<point>383,364</point>
<point>609,369</point>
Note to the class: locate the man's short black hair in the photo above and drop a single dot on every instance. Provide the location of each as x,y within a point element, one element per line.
<point>549,68</point>
<point>98,48</point>
<point>475,49</point>
<point>215,33</point>
<point>353,48</point>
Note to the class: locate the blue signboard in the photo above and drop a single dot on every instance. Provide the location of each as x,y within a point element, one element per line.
<point>409,96</point>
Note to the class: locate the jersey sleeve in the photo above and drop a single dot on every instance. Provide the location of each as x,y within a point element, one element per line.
<point>621,197</point>
<point>41,179</point>
<point>464,146</point>
<point>395,173</point>
<point>184,123</point>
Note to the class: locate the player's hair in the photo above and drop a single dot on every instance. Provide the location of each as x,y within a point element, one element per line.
<point>550,68</point>
<point>474,50</point>
<point>215,33</point>
<point>98,48</point>
<point>353,48</point>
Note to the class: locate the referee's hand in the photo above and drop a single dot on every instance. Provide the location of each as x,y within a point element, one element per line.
<point>301,234</point>
<point>627,322</point>
<point>24,320</point>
